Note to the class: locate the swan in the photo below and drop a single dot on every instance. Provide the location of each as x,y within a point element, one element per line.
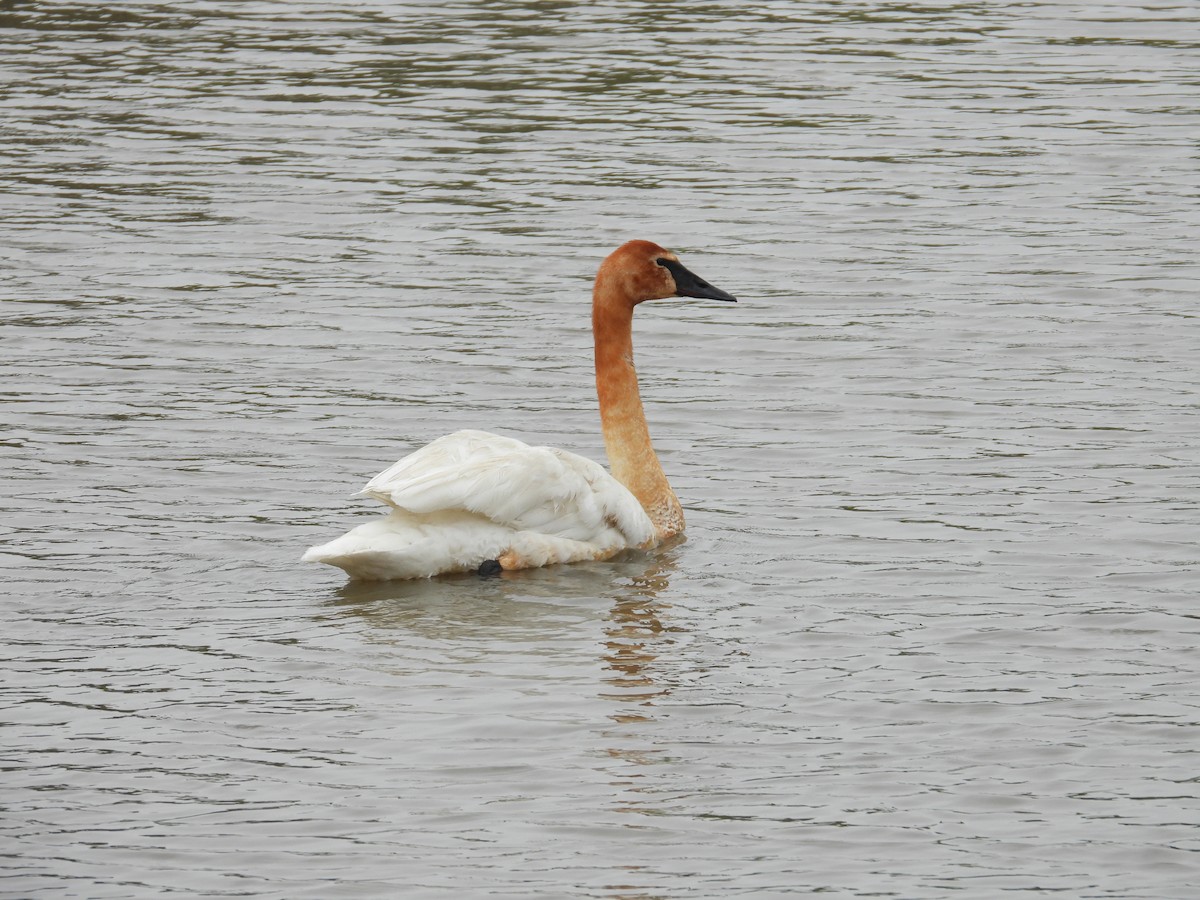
<point>478,501</point>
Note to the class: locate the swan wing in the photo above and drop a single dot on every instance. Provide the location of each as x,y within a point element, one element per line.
<point>526,488</point>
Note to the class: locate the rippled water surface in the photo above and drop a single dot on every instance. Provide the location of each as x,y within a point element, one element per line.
<point>933,629</point>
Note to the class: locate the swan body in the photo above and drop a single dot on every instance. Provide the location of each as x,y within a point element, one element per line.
<point>471,496</point>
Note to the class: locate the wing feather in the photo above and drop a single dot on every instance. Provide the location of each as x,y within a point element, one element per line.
<point>526,488</point>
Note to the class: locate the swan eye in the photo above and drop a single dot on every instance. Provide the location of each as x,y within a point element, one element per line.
<point>661,262</point>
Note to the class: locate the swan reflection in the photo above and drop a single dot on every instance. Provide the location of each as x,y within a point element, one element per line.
<point>526,606</point>
<point>638,629</point>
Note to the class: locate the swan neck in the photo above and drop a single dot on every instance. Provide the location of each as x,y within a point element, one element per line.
<point>631,455</point>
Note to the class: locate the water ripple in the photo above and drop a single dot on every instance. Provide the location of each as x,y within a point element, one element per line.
<point>933,625</point>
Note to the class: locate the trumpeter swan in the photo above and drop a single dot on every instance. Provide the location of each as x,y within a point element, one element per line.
<point>473,500</point>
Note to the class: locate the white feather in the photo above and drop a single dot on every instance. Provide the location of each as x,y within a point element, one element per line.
<point>472,496</point>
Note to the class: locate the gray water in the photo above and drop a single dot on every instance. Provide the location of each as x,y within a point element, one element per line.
<point>933,628</point>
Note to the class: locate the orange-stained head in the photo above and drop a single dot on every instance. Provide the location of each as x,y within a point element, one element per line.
<point>642,270</point>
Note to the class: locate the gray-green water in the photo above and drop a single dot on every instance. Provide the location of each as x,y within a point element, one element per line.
<point>933,630</point>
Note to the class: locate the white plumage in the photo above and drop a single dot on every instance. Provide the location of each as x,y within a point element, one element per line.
<point>472,496</point>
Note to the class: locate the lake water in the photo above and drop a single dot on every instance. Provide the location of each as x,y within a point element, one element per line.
<point>933,630</point>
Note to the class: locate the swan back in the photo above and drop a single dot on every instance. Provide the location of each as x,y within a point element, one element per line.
<point>511,483</point>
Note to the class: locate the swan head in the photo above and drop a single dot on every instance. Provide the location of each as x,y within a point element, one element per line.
<point>647,271</point>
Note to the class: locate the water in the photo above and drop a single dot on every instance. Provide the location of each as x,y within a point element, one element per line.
<point>933,627</point>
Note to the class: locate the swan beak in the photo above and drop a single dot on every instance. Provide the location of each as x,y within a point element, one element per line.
<point>689,284</point>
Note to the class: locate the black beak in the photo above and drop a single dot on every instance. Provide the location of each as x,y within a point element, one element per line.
<point>689,284</point>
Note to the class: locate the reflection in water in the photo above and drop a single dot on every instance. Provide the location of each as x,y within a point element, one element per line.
<point>543,607</point>
<point>635,637</point>
<point>547,609</point>
<point>524,605</point>
<point>637,632</point>
<point>530,604</point>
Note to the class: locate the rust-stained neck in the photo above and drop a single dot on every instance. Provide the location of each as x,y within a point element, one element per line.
<point>626,278</point>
